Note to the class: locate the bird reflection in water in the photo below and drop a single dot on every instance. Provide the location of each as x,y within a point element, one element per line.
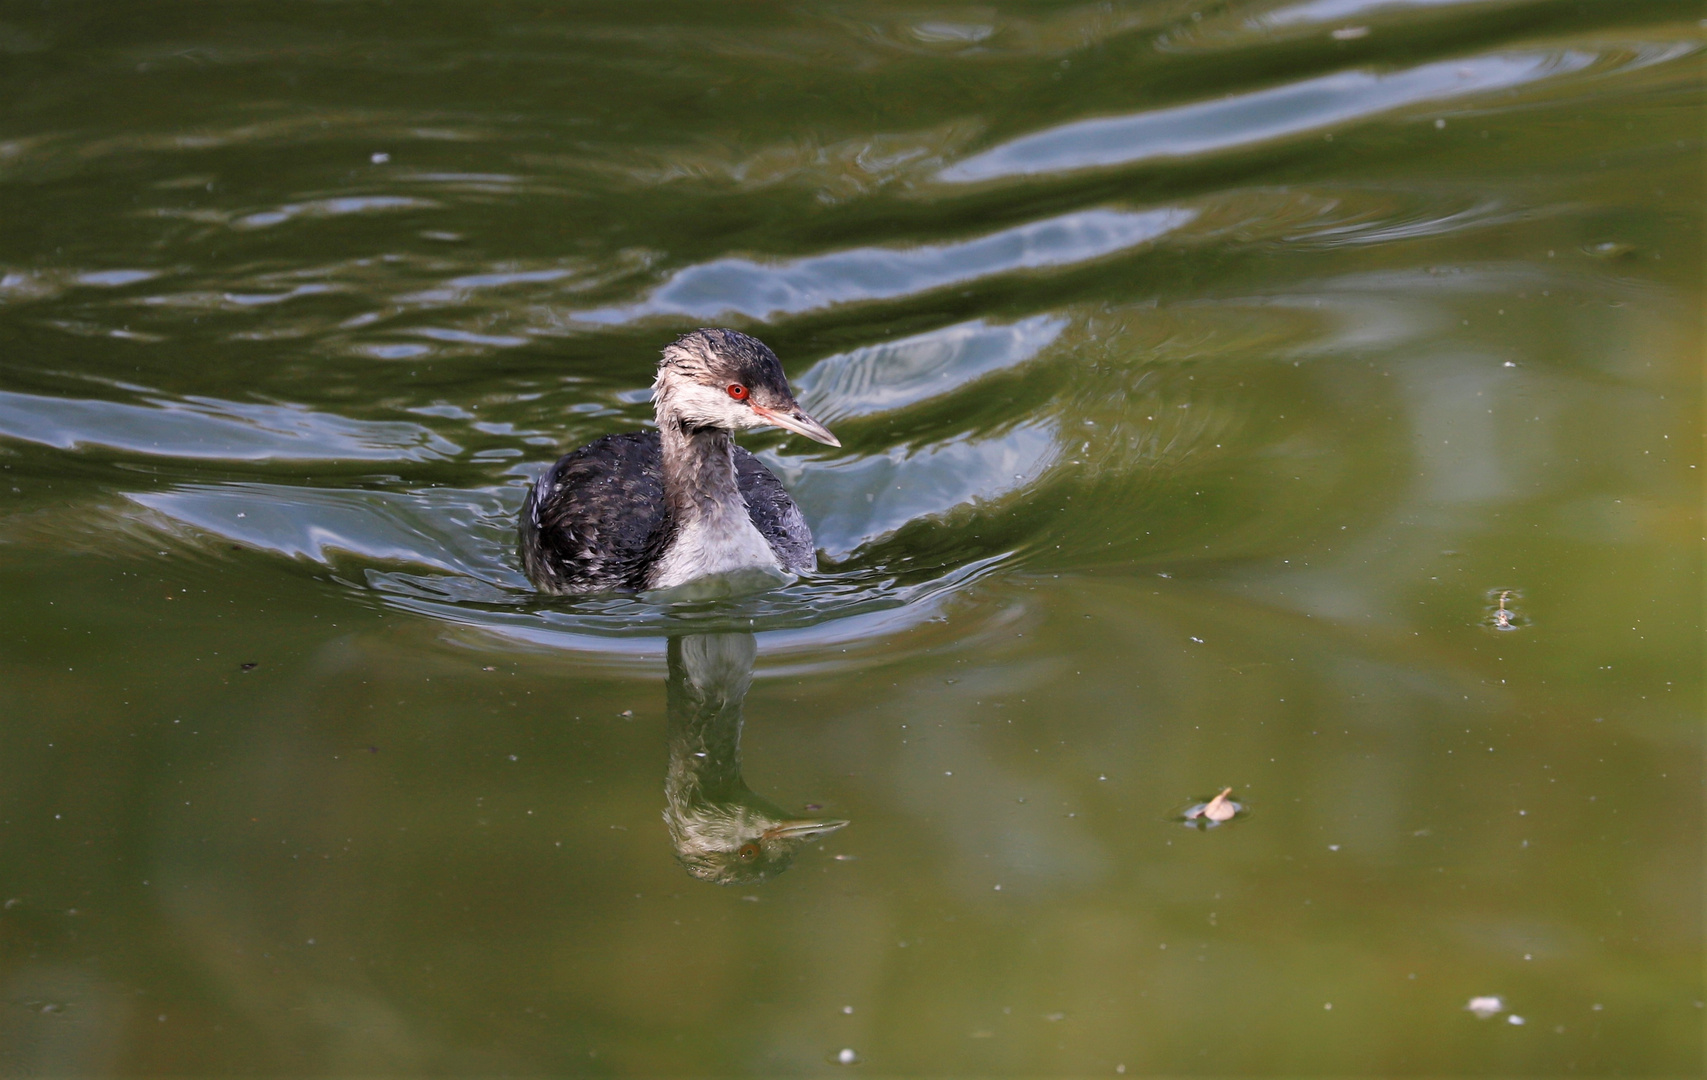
<point>722,831</point>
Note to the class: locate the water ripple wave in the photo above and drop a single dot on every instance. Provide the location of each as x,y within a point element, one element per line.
<point>1246,120</point>
<point>209,428</point>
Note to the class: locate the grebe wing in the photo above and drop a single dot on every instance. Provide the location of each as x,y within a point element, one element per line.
<point>774,514</point>
<point>591,523</point>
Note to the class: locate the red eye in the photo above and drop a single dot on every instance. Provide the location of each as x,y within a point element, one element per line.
<point>737,391</point>
<point>748,851</point>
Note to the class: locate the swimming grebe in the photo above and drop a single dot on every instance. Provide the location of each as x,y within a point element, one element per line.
<point>656,509</point>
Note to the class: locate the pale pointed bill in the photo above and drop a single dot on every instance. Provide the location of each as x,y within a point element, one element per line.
<point>798,422</point>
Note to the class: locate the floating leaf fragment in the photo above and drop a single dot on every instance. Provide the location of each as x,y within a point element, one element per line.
<point>1213,811</point>
<point>1220,808</point>
<point>1501,612</point>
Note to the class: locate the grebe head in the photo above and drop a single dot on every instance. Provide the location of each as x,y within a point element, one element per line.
<point>725,379</point>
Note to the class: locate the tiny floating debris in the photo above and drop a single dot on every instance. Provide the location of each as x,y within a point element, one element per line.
<point>847,1057</point>
<point>1502,613</point>
<point>1212,812</point>
<point>1610,249</point>
<point>1484,1007</point>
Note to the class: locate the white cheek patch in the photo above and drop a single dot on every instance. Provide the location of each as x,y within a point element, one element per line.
<point>706,406</point>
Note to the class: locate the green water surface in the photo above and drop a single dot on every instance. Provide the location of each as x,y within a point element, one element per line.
<point>1296,396</point>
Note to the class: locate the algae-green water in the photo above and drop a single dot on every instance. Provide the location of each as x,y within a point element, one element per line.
<point>1301,397</point>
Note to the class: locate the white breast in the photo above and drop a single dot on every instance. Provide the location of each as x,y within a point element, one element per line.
<point>720,544</point>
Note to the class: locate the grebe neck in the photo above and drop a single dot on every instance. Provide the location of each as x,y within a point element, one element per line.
<point>699,475</point>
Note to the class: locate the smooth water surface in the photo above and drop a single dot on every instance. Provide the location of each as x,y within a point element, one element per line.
<point>1296,396</point>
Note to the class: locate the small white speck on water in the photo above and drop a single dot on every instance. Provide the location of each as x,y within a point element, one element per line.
<point>1333,847</point>
<point>1484,1007</point>
<point>847,1056</point>
<point>847,1010</point>
<point>379,158</point>
<point>1329,1006</point>
<point>1514,1019</point>
<point>1439,124</point>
